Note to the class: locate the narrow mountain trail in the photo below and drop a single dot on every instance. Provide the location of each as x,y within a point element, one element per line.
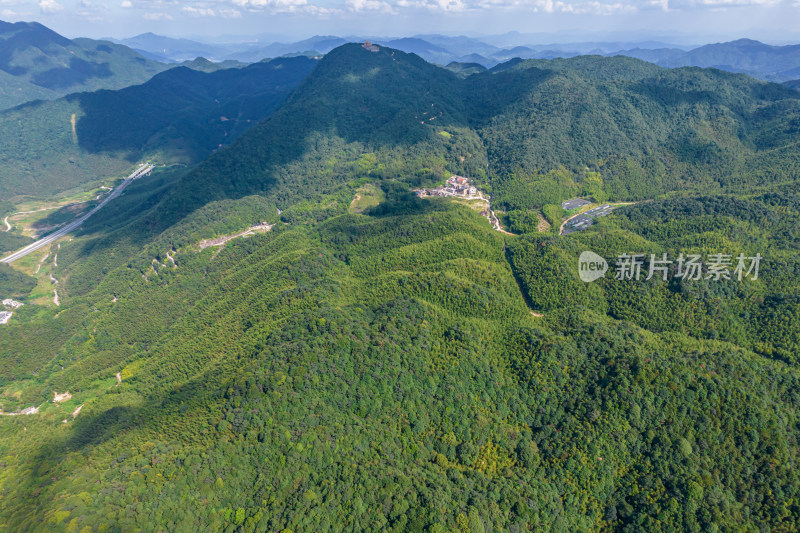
<point>54,281</point>
<point>39,266</point>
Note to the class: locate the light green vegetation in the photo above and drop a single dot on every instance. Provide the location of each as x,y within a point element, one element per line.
<point>382,371</point>
<point>367,195</point>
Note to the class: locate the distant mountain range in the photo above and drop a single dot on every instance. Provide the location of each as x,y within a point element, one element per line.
<point>36,62</point>
<point>762,61</point>
<point>168,49</point>
<point>773,63</point>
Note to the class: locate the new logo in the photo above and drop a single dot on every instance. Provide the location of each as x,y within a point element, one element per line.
<point>591,267</point>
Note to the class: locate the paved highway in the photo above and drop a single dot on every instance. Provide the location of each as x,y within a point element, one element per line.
<point>142,170</point>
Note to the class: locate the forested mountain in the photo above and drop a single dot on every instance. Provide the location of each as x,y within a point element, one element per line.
<point>180,116</point>
<point>759,60</point>
<point>646,130</point>
<point>381,369</point>
<point>170,49</point>
<point>319,44</point>
<point>539,125</point>
<point>37,62</point>
<point>465,69</point>
<point>774,63</point>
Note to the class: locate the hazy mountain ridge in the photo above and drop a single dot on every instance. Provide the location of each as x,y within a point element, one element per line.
<point>179,116</point>
<point>772,63</point>
<point>54,65</point>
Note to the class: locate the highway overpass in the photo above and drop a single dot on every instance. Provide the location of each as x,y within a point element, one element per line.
<point>75,224</point>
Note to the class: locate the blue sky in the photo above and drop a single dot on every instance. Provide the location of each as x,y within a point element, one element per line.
<point>686,21</point>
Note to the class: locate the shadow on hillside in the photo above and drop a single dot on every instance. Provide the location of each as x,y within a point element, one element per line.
<point>287,157</point>
<point>400,201</point>
<point>79,71</point>
<point>90,430</point>
<point>61,216</point>
<point>185,110</point>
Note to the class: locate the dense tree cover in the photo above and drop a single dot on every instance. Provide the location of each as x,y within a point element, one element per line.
<point>38,63</point>
<point>14,284</point>
<point>13,241</point>
<point>179,116</point>
<point>646,130</point>
<point>760,314</point>
<point>383,371</point>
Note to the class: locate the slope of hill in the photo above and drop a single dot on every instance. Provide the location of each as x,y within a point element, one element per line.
<point>381,371</point>
<point>465,69</point>
<point>14,91</point>
<point>180,116</point>
<point>625,119</point>
<point>54,65</point>
<point>659,56</point>
<point>428,51</point>
<point>316,45</point>
<point>773,63</point>
<point>171,49</point>
<point>204,65</point>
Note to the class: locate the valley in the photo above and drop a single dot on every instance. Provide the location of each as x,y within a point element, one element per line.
<point>330,312</point>
<point>143,170</point>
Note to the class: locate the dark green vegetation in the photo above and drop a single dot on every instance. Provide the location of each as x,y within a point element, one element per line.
<point>762,315</point>
<point>13,241</point>
<point>36,62</point>
<point>178,117</point>
<point>14,284</point>
<point>382,371</point>
<point>646,131</point>
<point>204,65</point>
<point>465,69</point>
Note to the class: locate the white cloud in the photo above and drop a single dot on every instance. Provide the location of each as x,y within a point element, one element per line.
<point>126,3</point>
<point>724,3</point>
<point>230,13</point>
<point>662,4</point>
<point>284,6</point>
<point>198,11</point>
<point>579,7</point>
<point>369,5</point>
<point>585,8</point>
<point>50,6</point>
<point>274,5</point>
<point>435,5</point>
<point>157,16</point>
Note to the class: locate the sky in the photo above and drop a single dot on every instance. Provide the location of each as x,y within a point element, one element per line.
<point>542,21</point>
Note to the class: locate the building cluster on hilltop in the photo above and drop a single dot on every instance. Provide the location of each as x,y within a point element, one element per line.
<point>369,46</point>
<point>455,186</point>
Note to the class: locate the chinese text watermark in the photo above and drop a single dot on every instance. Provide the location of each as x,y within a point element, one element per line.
<point>693,267</point>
